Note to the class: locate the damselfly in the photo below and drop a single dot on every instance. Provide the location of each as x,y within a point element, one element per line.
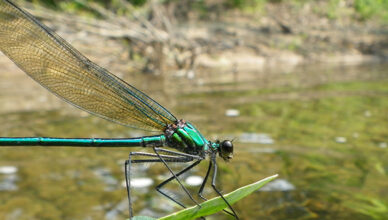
<point>64,71</point>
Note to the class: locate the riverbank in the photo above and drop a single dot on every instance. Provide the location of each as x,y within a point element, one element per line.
<point>180,37</point>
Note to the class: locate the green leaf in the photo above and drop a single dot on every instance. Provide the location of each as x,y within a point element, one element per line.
<point>217,204</point>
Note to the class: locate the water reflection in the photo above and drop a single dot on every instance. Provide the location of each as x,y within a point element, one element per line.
<point>104,174</point>
<point>323,129</point>
<point>8,178</point>
<point>194,180</point>
<point>141,182</point>
<point>232,112</point>
<point>278,185</point>
<point>8,170</point>
<point>256,138</point>
<point>117,211</point>
<point>8,183</point>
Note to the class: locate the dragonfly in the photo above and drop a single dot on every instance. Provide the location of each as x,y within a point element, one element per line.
<point>56,65</point>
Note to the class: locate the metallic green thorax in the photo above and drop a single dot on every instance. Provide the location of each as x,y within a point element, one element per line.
<point>185,137</point>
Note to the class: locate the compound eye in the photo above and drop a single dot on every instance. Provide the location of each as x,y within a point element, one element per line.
<point>227,146</point>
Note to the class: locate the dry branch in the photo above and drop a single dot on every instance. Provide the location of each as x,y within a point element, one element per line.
<point>140,33</point>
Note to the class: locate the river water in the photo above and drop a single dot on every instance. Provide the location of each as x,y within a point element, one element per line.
<point>322,128</point>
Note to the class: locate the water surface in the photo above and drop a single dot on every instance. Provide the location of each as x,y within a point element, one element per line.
<point>322,128</point>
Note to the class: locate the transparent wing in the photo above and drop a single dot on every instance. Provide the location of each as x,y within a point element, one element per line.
<point>60,68</point>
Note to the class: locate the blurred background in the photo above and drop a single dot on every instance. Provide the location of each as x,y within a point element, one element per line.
<point>301,85</point>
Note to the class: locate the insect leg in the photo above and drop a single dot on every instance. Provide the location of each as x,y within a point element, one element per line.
<point>159,187</point>
<point>214,177</point>
<point>172,172</point>
<point>153,158</point>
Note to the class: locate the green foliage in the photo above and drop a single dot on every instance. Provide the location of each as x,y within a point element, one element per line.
<point>138,2</point>
<point>217,204</point>
<point>244,4</point>
<point>369,8</point>
<point>47,3</point>
<point>82,5</point>
<point>213,205</point>
<point>374,208</point>
<point>332,10</point>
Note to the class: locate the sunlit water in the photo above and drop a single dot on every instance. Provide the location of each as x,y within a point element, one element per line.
<point>322,129</point>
